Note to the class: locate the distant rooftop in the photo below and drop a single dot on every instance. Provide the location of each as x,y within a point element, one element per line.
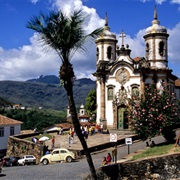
<point>8,121</point>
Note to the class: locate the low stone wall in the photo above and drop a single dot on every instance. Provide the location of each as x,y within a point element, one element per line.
<point>164,167</point>
<point>18,147</point>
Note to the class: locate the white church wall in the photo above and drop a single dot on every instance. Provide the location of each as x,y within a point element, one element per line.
<point>109,113</point>
<point>98,101</point>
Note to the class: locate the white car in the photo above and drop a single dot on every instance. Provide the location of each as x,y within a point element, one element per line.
<point>57,155</point>
<point>27,159</point>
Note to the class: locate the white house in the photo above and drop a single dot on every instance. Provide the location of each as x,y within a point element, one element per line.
<point>120,77</point>
<point>8,127</point>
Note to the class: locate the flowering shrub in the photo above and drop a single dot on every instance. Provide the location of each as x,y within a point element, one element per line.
<point>152,114</point>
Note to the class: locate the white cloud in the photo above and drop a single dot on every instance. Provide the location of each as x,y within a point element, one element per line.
<point>156,1</point>
<point>34,1</point>
<point>175,1</point>
<point>27,62</point>
<point>160,1</point>
<point>31,61</point>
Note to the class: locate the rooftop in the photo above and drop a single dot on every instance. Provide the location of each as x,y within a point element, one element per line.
<point>8,121</point>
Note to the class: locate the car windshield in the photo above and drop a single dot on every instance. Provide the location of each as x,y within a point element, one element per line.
<point>29,157</point>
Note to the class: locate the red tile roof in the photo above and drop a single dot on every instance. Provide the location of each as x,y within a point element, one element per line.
<point>84,116</point>
<point>8,121</point>
<point>137,58</point>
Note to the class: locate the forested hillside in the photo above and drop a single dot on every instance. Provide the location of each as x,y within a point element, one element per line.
<point>36,93</point>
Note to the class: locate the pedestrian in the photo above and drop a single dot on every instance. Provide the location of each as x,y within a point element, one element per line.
<point>147,144</point>
<point>108,158</point>
<point>60,131</point>
<point>53,141</point>
<point>101,128</point>
<point>114,154</point>
<point>104,162</point>
<point>152,144</point>
<point>177,140</point>
<point>35,129</point>
<point>47,152</point>
<point>69,138</point>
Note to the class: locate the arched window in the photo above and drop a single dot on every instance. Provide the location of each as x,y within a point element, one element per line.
<point>97,53</point>
<point>109,52</point>
<point>147,50</point>
<point>161,48</point>
<point>135,91</point>
<point>110,93</point>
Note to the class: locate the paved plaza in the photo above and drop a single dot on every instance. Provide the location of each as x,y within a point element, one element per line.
<point>95,140</point>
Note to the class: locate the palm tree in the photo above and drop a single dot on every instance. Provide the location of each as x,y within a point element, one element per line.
<point>65,34</point>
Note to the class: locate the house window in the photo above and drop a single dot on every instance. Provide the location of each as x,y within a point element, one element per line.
<point>161,48</point>
<point>1,132</point>
<point>110,93</point>
<point>109,51</point>
<point>11,131</point>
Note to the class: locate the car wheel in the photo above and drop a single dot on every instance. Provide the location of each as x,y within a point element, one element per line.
<point>68,159</point>
<point>45,162</point>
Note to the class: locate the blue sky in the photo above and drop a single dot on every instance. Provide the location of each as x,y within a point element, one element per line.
<point>22,57</point>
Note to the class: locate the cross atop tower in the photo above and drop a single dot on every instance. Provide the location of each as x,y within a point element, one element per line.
<point>122,35</point>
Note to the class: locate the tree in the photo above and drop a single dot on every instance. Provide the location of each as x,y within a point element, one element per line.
<point>66,35</point>
<point>90,105</point>
<point>156,113</point>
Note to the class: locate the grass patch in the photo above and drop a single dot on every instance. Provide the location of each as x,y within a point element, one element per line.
<point>39,136</point>
<point>157,150</point>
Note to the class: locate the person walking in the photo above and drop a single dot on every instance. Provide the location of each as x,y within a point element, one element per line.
<point>104,162</point>
<point>53,141</point>
<point>108,158</point>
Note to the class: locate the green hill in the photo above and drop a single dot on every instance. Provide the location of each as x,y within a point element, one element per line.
<point>33,93</point>
<point>5,103</point>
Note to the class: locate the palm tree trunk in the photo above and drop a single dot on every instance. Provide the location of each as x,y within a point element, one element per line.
<point>68,85</point>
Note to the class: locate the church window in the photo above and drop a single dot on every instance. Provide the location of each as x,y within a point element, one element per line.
<point>171,89</point>
<point>97,53</point>
<point>109,52</point>
<point>161,48</point>
<point>110,93</point>
<point>135,92</point>
<point>147,50</point>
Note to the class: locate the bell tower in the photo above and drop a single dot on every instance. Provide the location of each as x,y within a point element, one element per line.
<point>105,54</point>
<point>106,44</point>
<point>156,40</point>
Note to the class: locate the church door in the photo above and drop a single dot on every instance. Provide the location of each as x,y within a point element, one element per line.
<point>122,121</point>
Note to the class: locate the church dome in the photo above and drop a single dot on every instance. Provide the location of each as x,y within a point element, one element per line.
<point>156,27</point>
<point>106,34</point>
<point>82,106</point>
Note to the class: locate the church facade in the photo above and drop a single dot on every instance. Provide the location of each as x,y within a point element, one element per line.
<point>119,77</point>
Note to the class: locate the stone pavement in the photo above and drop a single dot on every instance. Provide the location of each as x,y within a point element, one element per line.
<point>95,142</point>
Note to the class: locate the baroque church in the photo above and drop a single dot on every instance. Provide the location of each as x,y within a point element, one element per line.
<point>119,77</point>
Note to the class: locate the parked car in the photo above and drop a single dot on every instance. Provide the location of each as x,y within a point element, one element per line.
<point>57,155</point>
<point>26,160</point>
<point>12,161</point>
<point>1,165</point>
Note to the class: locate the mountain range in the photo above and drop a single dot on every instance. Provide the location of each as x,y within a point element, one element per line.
<point>45,92</point>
